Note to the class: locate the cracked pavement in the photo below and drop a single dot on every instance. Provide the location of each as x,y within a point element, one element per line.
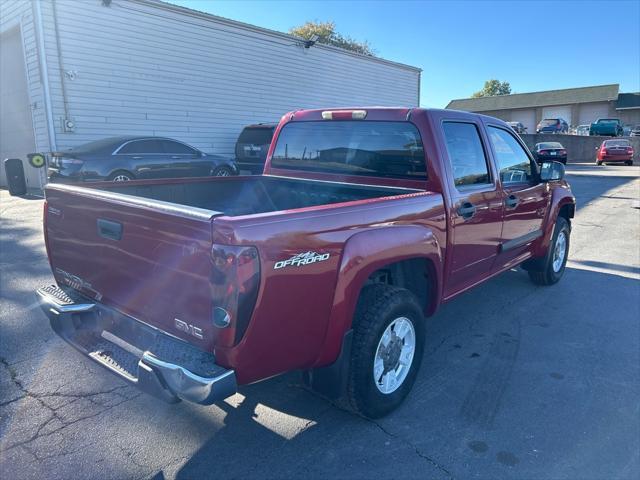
<point>518,381</point>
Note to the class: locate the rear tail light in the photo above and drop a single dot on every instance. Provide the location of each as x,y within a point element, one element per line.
<point>543,152</point>
<point>45,215</point>
<point>65,162</point>
<point>562,152</point>
<point>235,279</point>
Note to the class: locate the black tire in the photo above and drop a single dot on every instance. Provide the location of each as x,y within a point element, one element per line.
<point>222,171</point>
<point>547,274</point>
<point>121,176</point>
<point>378,306</point>
<point>598,163</point>
<point>630,162</point>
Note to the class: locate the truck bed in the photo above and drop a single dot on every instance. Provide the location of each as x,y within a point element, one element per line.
<point>236,196</point>
<point>130,245</point>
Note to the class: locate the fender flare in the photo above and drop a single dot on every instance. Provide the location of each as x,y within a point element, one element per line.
<point>364,253</point>
<point>559,198</point>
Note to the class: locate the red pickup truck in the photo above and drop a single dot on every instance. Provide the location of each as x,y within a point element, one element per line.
<point>363,223</point>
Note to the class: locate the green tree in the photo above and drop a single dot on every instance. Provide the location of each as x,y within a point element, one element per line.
<point>326,32</point>
<point>492,88</point>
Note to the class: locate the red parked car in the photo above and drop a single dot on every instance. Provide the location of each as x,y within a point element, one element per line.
<point>614,151</point>
<point>364,222</point>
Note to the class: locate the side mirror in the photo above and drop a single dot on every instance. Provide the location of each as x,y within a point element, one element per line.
<point>551,171</point>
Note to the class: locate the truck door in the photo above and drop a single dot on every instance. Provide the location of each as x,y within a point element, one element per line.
<point>525,198</point>
<point>476,206</point>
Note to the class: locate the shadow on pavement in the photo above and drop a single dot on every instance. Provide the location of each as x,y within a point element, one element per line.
<point>520,364</point>
<point>517,381</point>
<point>587,188</point>
<point>608,266</point>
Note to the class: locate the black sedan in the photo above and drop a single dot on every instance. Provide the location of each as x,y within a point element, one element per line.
<point>120,159</point>
<point>550,152</point>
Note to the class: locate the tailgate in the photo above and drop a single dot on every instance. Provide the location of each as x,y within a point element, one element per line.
<point>148,259</point>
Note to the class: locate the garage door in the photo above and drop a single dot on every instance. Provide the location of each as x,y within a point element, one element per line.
<point>558,112</point>
<point>525,117</point>
<point>16,127</point>
<point>590,112</point>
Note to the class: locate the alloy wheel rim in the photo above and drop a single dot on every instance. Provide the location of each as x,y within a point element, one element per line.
<point>559,251</point>
<point>394,355</point>
<point>121,178</point>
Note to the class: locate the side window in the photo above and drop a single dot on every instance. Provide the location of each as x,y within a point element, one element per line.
<point>467,157</point>
<point>141,147</point>
<point>513,162</point>
<point>177,148</point>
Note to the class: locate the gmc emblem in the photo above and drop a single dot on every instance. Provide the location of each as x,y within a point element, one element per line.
<point>190,329</point>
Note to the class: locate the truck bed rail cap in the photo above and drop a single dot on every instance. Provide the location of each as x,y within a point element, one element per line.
<point>125,199</point>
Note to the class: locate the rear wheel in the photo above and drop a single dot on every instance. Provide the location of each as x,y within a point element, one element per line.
<point>553,265</point>
<point>121,176</point>
<point>598,162</point>
<point>388,344</point>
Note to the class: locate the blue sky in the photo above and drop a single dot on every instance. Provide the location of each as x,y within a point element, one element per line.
<point>535,46</point>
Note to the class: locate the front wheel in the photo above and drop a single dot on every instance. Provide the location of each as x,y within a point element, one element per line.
<point>599,163</point>
<point>388,344</point>
<point>629,162</point>
<point>554,263</point>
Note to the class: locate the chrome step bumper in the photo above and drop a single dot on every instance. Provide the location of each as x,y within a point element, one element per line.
<point>155,362</point>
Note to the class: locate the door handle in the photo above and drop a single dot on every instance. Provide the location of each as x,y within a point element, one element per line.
<point>137,157</point>
<point>175,157</point>
<point>512,201</point>
<point>467,210</point>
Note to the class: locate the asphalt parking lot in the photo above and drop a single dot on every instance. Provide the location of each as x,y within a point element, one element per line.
<point>518,381</point>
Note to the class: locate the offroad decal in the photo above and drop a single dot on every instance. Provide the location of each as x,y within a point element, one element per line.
<point>302,259</point>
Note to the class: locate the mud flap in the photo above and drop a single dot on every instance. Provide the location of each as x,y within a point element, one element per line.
<point>331,381</point>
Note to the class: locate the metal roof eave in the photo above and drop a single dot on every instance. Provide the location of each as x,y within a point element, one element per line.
<point>265,31</point>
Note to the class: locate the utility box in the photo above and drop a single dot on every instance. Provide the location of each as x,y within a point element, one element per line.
<point>15,176</point>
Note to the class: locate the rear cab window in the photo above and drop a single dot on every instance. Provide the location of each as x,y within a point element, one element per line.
<point>466,154</point>
<point>617,143</point>
<point>549,145</point>
<point>367,148</point>
<point>256,135</point>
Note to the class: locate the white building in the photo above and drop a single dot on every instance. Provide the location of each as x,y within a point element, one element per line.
<point>73,71</point>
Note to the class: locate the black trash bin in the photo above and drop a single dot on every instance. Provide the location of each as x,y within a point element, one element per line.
<point>15,176</point>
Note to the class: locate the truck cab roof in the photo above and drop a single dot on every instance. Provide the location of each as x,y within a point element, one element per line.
<point>378,113</point>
